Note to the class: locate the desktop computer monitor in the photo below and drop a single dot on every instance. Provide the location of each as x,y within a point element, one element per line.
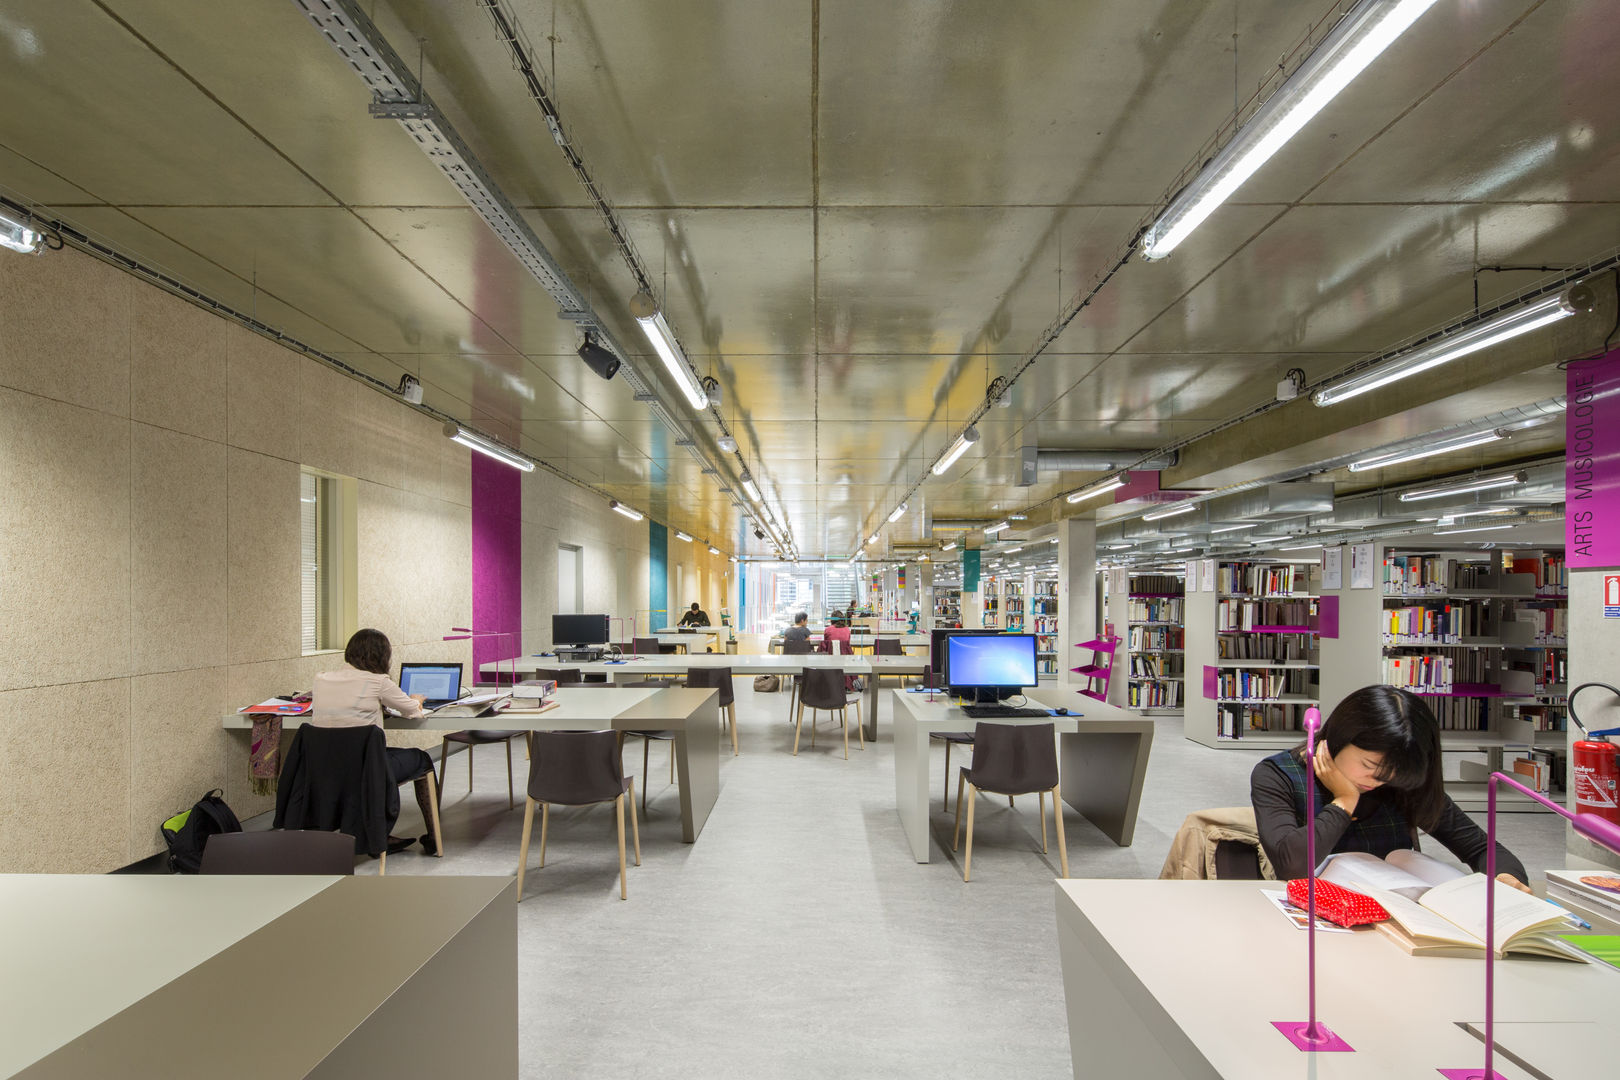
<point>936,648</point>
<point>990,668</point>
<point>579,630</point>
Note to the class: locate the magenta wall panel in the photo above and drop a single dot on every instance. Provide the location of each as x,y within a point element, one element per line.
<point>497,558</point>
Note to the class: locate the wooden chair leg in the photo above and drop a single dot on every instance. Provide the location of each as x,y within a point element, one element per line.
<point>945,796</point>
<point>635,823</point>
<point>956,836</point>
<point>618,813</point>
<point>470,749</point>
<point>671,763</point>
<point>646,748</point>
<point>843,714</point>
<point>433,806</point>
<point>1041,799</point>
<point>860,728</point>
<point>523,848</point>
<point>444,761</point>
<point>1010,804</point>
<point>967,856</point>
<point>511,800</point>
<point>1063,847</point>
<point>797,728</point>
<point>545,822</point>
<point>813,712</point>
<point>731,714</point>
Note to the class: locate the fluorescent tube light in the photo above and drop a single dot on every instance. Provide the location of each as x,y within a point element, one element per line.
<point>872,539</point>
<point>1355,42</point>
<point>949,547</point>
<point>734,558</point>
<point>1467,514</point>
<point>1301,547</point>
<point>662,339</point>
<point>1508,325</point>
<point>750,488</point>
<point>682,536</point>
<point>714,550</point>
<point>1472,529</point>
<point>457,434</point>
<point>1235,528</point>
<point>1053,540</point>
<point>1011,551</point>
<point>1102,487</point>
<point>1444,446</point>
<point>958,448</point>
<point>899,512</point>
<point>20,236</point>
<point>1483,484</point>
<point>1170,511</point>
<point>991,530</point>
<point>619,508</point>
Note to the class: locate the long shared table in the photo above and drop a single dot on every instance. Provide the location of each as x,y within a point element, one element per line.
<point>146,976</point>
<point>692,714</point>
<point>1103,756</point>
<point>633,668</point>
<point>1168,980</point>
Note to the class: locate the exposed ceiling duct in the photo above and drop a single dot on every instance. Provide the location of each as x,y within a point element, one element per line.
<point>1272,502</point>
<point>1036,461</point>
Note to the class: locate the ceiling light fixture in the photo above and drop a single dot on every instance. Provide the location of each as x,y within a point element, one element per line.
<point>958,448</point>
<point>20,235</point>
<point>1444,446</point>
<point>1236,528</point>
<point>1011,550</point>
<point>1101,487</point>
<point>991,530</point>
<point>750,488</point>
<point>619,508</point>
<point>1467,514</point>
<point>714,550</point>
<point>1170,511</point>
<point>1483,484</point>
<point>948,547</point>
<point>598,358</point>
<point>872,539</point>
<point>734,558</point>
<point>662,339</point>
<point>1053,540</point>
<point>682,536</point>
<point>458,434</point>
<point>1472,529</point>
<point>899,512</point>
<point>1300,547</point>
<point>1503,327</point>
<point>727,443</point>
<point>1349,47</point>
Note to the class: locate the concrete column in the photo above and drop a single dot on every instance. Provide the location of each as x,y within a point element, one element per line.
<point>1077,595</point>
<point>1594,641</point>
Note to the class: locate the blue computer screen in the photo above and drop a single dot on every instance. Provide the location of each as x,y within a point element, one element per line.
<point>436,682</point>
<point>1002,660</point>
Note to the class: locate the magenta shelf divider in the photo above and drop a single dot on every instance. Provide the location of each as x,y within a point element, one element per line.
<point>1327,616</point>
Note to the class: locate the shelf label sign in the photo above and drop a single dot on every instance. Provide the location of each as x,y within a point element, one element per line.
<point>1611,596</point>
<point>1592,466</point>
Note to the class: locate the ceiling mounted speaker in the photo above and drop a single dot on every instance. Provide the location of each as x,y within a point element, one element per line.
<point>598,359</point>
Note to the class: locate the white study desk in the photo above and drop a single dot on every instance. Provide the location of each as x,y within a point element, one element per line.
<point>633,668</point>
<point>1102,758</point>
<point>147,976</point>
<point>693,715</point>
<point>1167,980</point>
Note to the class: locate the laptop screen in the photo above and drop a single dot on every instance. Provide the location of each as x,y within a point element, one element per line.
<point>435,682</point>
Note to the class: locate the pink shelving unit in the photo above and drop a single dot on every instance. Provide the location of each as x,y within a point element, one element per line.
<point>1101,668</point>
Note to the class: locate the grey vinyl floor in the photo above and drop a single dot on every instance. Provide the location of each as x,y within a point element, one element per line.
<point>797,937</point>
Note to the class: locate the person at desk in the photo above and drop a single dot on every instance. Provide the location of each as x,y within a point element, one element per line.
<point>799,631</point>
<point>837,630</point>
<point>695,616</point>
<point>1378,782</point>
<point>354,695</point>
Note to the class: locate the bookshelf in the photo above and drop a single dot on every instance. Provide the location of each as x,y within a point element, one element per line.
<point>1012,605</point>
<point>1155,635</point>
<point>991,587</point>
<point>1253,645</point>
<point>947,607</point>
<point>1482,637</point>
<point>1043,609</point>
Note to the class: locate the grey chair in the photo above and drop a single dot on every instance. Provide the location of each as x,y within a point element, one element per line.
<point>795,648</point>
<point>648,737</point>
<point>719,678</point>
<point>471,740</point>
<point>577,768</point>
<point>1011,759</point>
<point>823,689</point>
<point>279,851</point>
<point>646,646</point>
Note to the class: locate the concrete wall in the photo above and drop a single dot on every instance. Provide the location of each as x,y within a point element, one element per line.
<point>150,453</point>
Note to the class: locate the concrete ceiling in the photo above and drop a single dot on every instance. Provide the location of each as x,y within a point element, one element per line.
<point>859,215</point>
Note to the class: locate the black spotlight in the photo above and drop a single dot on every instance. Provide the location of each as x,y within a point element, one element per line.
<point>597,358</point>
<point>759,534</point>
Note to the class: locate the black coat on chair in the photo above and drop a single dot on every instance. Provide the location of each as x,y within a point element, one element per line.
<point>336,779</point>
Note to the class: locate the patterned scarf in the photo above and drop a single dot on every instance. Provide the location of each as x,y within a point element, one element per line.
<point>264,758</point>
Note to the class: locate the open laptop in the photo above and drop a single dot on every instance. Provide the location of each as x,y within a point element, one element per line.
<point>439,684</point>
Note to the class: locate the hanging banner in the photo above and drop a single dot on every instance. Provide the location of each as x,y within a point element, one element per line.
<point>1592,463</point>
<point>902,573</point>
<point>970,571</point>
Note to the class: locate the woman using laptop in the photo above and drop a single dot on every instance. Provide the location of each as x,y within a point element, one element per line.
<point>354,695</point>
<point>1378,782</point>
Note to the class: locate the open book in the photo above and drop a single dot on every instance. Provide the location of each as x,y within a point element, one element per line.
<point>472,705</point>
<point>1437,910</point>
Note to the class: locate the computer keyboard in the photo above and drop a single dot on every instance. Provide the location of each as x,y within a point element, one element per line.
<point>994,712</point>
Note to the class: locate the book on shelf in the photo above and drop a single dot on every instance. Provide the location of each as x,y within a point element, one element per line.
<point>1155,585</point>
<point>1258,685</point>
<point>1273,648</point>
<point>1438,910</point>
<point>1549,571</point>
<point>1157,638</point>
<point>1236,614</point>
<point>1233,721</point>
<point>1154,695</point>
<point>1261,579</point>
<point>1158,610</point>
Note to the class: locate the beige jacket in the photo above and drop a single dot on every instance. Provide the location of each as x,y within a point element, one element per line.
<point>1192,852</point>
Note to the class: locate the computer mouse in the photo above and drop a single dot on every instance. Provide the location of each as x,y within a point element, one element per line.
<point>1060,712</point>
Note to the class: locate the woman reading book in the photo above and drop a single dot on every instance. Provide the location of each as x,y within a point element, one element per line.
<point>1378,782</point>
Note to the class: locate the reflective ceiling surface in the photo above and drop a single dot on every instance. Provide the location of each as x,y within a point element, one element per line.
<point>857,216</point>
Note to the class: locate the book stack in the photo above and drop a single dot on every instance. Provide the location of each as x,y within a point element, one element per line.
<point>1157,638</point>
<point>1253,614</point>
<point>1587,892</point>
<point>1549,570</point>
<point>1161,610</point>
<point>1258,579</point>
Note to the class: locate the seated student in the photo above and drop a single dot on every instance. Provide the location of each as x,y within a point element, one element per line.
<point>1378,782</point>
<point>799,631</point>
<point>837,630</point>
<point>695,616</point>
<point>354,695</point>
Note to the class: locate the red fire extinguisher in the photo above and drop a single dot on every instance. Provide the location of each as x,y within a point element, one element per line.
<point>1595,763</point>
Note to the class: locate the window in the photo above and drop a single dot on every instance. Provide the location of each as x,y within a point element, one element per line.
<point>327,560</point>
